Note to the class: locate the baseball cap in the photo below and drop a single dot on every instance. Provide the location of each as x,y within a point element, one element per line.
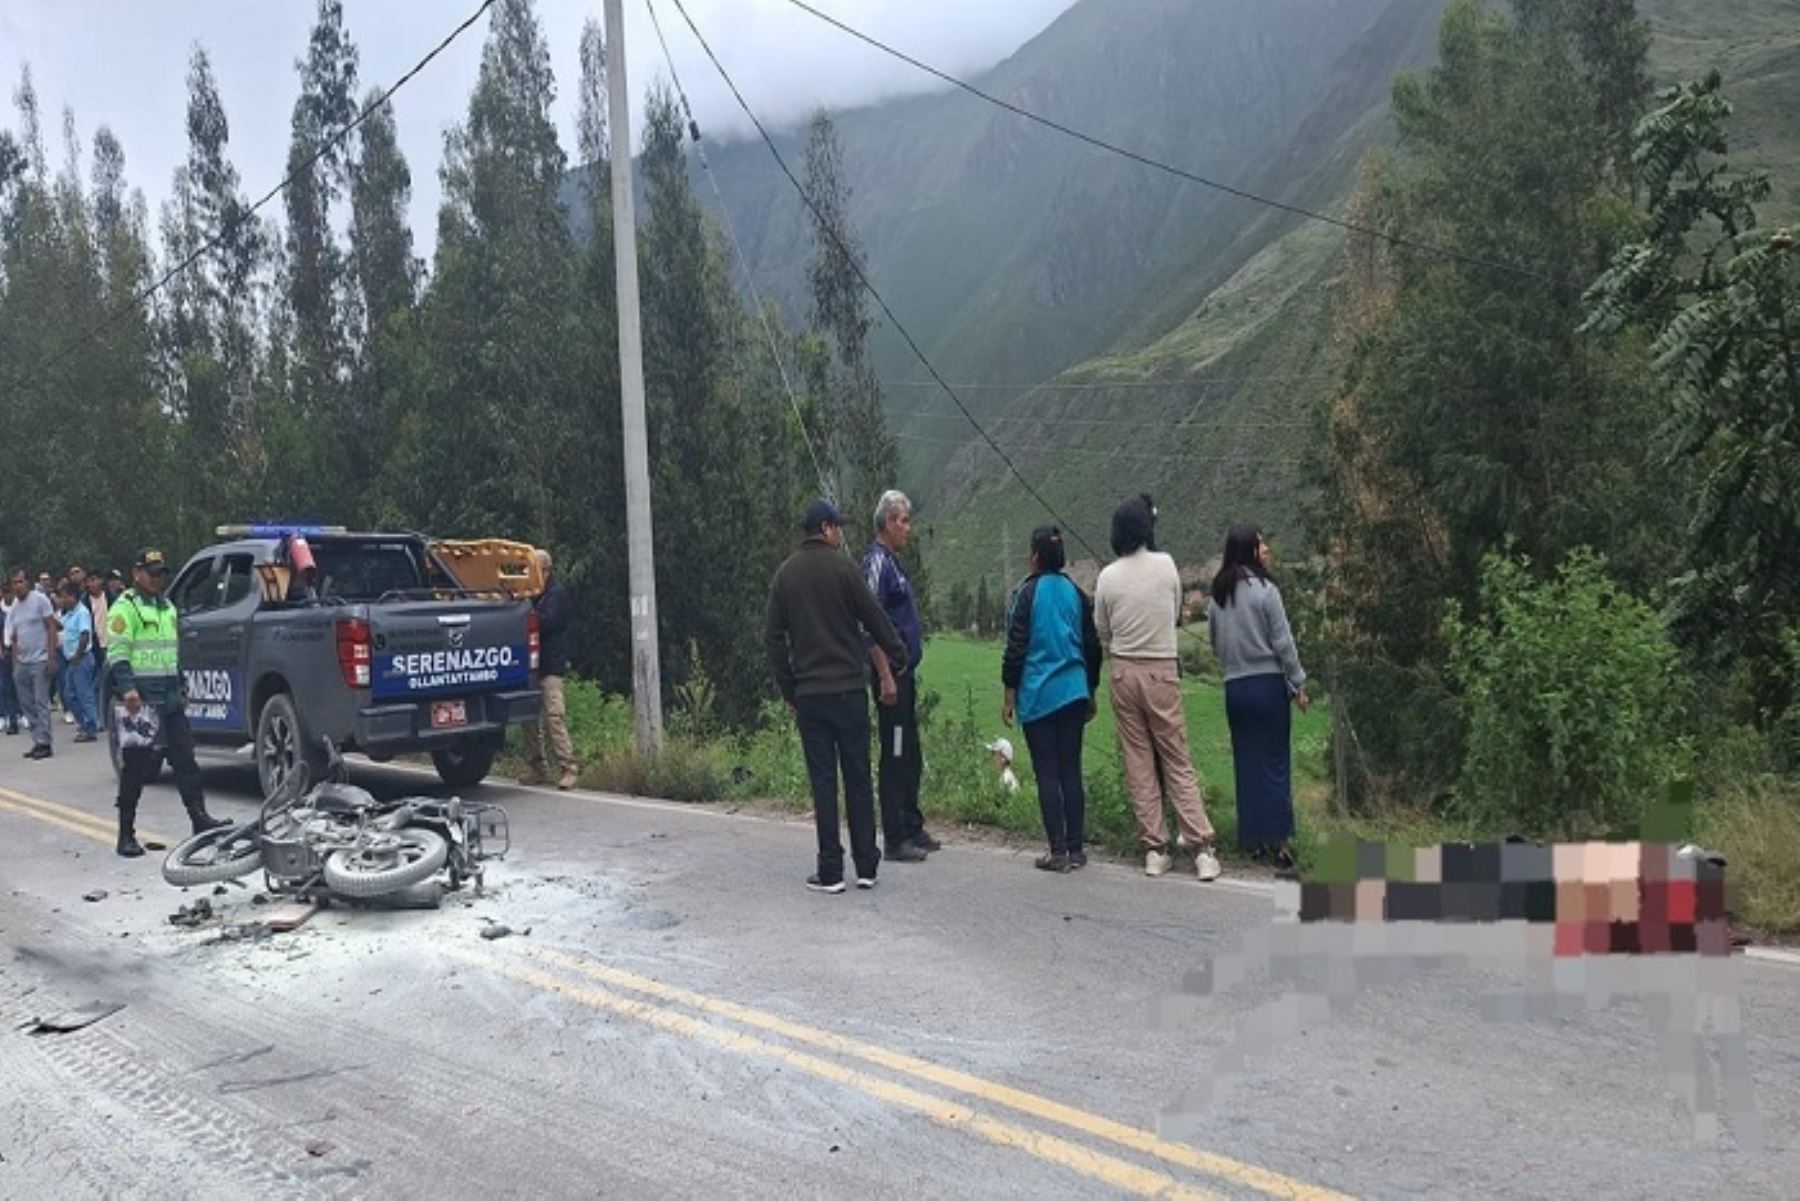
<point>1003,746</point>
<point>820,514</point>
<point>150,559</point>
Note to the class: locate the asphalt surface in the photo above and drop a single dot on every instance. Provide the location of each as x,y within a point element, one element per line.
<point>684,1019</point>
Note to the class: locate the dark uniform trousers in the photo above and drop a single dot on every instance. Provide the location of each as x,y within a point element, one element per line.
<point>175,739</point>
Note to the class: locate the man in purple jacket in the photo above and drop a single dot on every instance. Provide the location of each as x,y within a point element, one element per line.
<point>902,764</point>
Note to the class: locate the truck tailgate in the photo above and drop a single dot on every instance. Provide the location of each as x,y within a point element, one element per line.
<point>438,649</point>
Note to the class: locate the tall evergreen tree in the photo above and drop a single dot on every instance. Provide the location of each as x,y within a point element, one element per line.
<point>316,289</point>
<point>499,312</point>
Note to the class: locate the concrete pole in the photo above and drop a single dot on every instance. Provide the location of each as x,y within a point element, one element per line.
<point>646,673</point>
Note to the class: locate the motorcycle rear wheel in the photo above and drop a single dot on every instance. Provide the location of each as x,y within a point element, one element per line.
<point>412,855</point>
<point>215,856</point>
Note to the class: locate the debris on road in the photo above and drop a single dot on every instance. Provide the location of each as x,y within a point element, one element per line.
<point>495,931</point>
<point>98,894</point>
<point>76,1019</point>
<point>289,916</point>
<point>320,1146</point>
<point>192,914</point>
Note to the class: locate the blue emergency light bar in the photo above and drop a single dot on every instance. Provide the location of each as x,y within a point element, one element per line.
<point>277,531</point>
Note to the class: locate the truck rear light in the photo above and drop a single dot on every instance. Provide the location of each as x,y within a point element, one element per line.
<point>534,640</point>
<point>355,659</point>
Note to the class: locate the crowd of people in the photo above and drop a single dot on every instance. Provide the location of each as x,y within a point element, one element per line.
<point>53,652</point>
<point>835,635</point>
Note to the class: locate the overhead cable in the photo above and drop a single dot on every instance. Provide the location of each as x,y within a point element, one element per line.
<point>230,228</point>
<point>1169,168</point>
<point>862,276</point>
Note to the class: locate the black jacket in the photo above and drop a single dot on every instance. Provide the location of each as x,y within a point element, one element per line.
<point>819,607</point>
<point>556,613</point>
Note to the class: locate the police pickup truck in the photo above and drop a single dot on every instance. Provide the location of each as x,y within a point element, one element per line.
<point>292,635</point>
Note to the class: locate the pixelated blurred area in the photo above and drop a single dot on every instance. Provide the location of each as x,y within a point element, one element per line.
<point>1590,923</point>
<point>1602,898</point>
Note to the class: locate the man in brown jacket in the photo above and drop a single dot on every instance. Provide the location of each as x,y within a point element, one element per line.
<point>819,608</point>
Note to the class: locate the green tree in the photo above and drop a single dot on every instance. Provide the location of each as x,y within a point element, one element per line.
<point>316,281</point>
<point>1573,698</point>
<point>1722,300</point>
<point>499,315</point>
<point>1473,410</point>
<point>384,280</point>
<point>865,449</point>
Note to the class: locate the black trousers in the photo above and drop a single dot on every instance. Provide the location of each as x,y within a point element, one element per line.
<point>176,740</point>
<point>1055,743</point>
<point>834,733</point>
<point>902,764</point>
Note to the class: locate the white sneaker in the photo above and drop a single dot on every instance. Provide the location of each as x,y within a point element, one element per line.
<point>68,719</point>
<point>1206,866</point>
<point>1157,862</point>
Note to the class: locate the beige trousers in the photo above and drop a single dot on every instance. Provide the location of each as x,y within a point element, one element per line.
<point>552,724</point>
<point>1146,700</point>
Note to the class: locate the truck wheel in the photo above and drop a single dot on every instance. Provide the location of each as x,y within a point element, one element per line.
<point>463,766</point>
<point>282,745</point>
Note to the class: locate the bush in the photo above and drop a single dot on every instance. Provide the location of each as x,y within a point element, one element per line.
<point>1756,826</point>
<point>1572,697</point>
<point>681,771</point>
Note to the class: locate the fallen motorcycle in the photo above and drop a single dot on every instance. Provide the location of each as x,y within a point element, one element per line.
<point>335,840</point>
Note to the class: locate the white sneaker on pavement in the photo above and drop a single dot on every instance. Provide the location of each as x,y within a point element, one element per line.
<point>1157,862</point>
<point>1206,866</point>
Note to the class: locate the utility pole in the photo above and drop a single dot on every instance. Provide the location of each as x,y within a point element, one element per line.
<point>646,672</point>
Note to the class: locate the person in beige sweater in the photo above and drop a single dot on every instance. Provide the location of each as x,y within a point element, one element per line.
<point>1137,606</point>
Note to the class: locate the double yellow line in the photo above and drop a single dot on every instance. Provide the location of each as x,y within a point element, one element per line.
<point>66,817</point>
<point>654,1003</point>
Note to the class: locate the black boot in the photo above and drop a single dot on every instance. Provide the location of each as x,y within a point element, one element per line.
<point>202,820</point>
<point>128,843</point>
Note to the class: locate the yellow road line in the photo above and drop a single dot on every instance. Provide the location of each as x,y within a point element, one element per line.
<point>1262,1180</point>
<point>40,815</point>
<point>1108,1170</point>
<point>69,817</point>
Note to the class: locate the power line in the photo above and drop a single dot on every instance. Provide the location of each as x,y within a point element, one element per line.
<point>1122,385</point>
<point>1133,423</point>
<point>863,278</point>
<point>1121,454</point>
<point>230,228</point>
<point>1180,173</point>
<point>762,315</point>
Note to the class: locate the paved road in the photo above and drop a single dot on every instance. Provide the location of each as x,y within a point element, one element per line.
<point>685,1020</point>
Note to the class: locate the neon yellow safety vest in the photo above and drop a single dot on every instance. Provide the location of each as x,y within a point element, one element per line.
<point>144,644</point>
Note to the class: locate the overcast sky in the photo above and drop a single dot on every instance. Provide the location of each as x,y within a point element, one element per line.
<point>124,63</point>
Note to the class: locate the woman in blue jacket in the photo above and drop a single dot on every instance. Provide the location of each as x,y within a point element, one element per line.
<point>1051,670</point>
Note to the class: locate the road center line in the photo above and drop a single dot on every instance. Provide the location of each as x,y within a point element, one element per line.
<point>78,821</point>
<point>1108,1170</point>
<point>1262,1180</point>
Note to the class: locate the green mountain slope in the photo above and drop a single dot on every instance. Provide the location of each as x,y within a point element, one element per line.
<point>1208,397</point>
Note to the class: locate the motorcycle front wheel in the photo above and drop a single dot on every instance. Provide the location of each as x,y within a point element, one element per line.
<point>213,857</point>
<point>387,863</point>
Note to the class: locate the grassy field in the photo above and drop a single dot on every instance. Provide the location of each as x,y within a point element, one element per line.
<point>958,669</point>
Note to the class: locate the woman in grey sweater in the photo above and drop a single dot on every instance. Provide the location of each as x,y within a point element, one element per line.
<point>1255,648</point>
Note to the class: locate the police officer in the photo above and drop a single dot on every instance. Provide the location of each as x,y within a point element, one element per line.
<point>143,665</point>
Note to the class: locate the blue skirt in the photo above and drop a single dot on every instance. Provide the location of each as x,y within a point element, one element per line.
<point>1257,709</point>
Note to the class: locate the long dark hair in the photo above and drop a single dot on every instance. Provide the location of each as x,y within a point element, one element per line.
<point>1240,562</point>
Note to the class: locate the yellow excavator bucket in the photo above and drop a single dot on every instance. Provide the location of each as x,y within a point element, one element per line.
<point>487,564</point>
